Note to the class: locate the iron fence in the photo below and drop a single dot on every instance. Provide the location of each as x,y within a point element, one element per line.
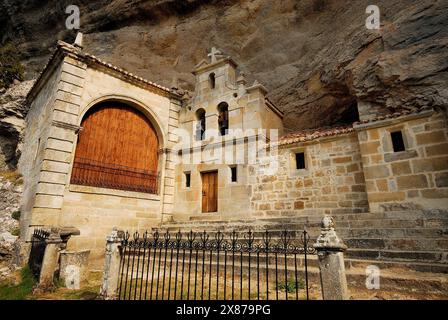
<point>215,266</point>
<point>97,174</point>
<point>38,245</point>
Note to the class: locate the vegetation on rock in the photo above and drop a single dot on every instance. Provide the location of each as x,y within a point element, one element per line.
<point>19,291</point>
<point>10,66</point>
<point>16,215</point>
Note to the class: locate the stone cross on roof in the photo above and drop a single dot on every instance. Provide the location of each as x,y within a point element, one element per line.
<point>213,53</point>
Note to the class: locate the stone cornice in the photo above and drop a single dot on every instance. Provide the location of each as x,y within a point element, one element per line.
<point>274,108</point>
<point>51,65</point>
<point>310,135</point>
<point>210,66</point>
<point>229,142</point>
<point>392,119</point>
<point>66,125</point>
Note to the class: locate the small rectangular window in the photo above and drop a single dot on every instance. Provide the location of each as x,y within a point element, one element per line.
<point>397,141</point>
<point>187,180</point>
<point>300,160</point>
<point>234,174</point>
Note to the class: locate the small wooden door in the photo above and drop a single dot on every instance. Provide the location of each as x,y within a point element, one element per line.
<point>210,191</point>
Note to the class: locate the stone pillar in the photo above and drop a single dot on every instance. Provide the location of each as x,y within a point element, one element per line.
<point>109,288</point>
<point>50,261</point>
<point>330,251</point>
<point>73,268</point>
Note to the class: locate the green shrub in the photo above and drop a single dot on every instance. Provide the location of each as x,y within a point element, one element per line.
<point>291,286</point>
<point>20,291</point>
<point>13,176</point>
<point>58,282</point>
<point>16,215</point>
<point>16,232</point>
<point>10,66</point>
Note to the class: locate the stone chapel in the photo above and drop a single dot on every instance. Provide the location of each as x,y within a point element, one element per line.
<point>104,148</point>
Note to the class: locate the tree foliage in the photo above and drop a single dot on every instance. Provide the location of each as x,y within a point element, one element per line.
<point>10,66</point>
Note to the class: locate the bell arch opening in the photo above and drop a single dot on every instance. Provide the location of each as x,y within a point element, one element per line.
<point>117,149</point>
<point>223,118</point>
<point>200,124</point>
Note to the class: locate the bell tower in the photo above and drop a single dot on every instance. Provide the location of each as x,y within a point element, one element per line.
<point>223,102</point>
<point>215,76</point>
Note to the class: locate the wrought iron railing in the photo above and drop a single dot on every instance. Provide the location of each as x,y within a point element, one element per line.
<point>97,174</point>
<point>38,245</point>
<point>203,266</point>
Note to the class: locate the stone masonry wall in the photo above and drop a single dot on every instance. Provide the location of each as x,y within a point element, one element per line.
<point>96,211</point>
<point>332,183</point>
<point>38,124</point>
<point>418,175</point>
<point>72,86</point>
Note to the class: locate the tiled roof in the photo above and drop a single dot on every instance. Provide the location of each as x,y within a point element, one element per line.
<point>308,135</point>
<point>68,48</point>
<point>124,72</point>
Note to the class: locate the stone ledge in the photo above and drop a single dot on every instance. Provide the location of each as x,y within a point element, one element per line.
<point>385,121</point>
<point>403,155</point>
<point>113,192</point>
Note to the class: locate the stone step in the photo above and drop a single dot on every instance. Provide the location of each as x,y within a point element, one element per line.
<point>398,255</point>
<point>393,223</point>
<point>392,238</point>
<point>398,264</point>
<point>312,223</point>
<point>368,232</point>
<point>412,214</point>
<point>396,279</point>
<point>398,244</point>
<point>411,239</point>
<point>414,239</point>
<point>406,215</point>
<point>401,233</point>
<point>386,250</point>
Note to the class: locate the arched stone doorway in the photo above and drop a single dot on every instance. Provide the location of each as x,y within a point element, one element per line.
<point>117,148</point>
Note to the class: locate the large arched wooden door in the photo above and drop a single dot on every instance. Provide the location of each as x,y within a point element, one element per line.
<point>117,148</point>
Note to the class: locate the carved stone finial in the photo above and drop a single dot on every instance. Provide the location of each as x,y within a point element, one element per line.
<point>175,83</point>
<point>78,40</point>
<point>328,239</point>
<point>327,223</point>
<point>241,79</point>
<point>113,235</point>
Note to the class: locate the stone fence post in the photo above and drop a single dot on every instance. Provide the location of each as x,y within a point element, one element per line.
<point>330,251</point>
<point>109,288</point>
<point>50,260</point>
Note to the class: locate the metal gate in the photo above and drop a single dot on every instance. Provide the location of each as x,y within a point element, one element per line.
<point>215,266</point>
<point>38,245</point>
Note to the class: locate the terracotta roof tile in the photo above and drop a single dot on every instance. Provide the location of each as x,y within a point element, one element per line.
<point>312,134</point>
<point>63,46</point>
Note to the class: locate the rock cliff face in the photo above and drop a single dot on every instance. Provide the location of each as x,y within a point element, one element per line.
<point>12,114</point>
<point>10,193</point>
<point>316,56</point>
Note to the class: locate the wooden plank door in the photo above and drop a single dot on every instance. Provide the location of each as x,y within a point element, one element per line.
<point>117,148</point>
<point>210,191</point>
